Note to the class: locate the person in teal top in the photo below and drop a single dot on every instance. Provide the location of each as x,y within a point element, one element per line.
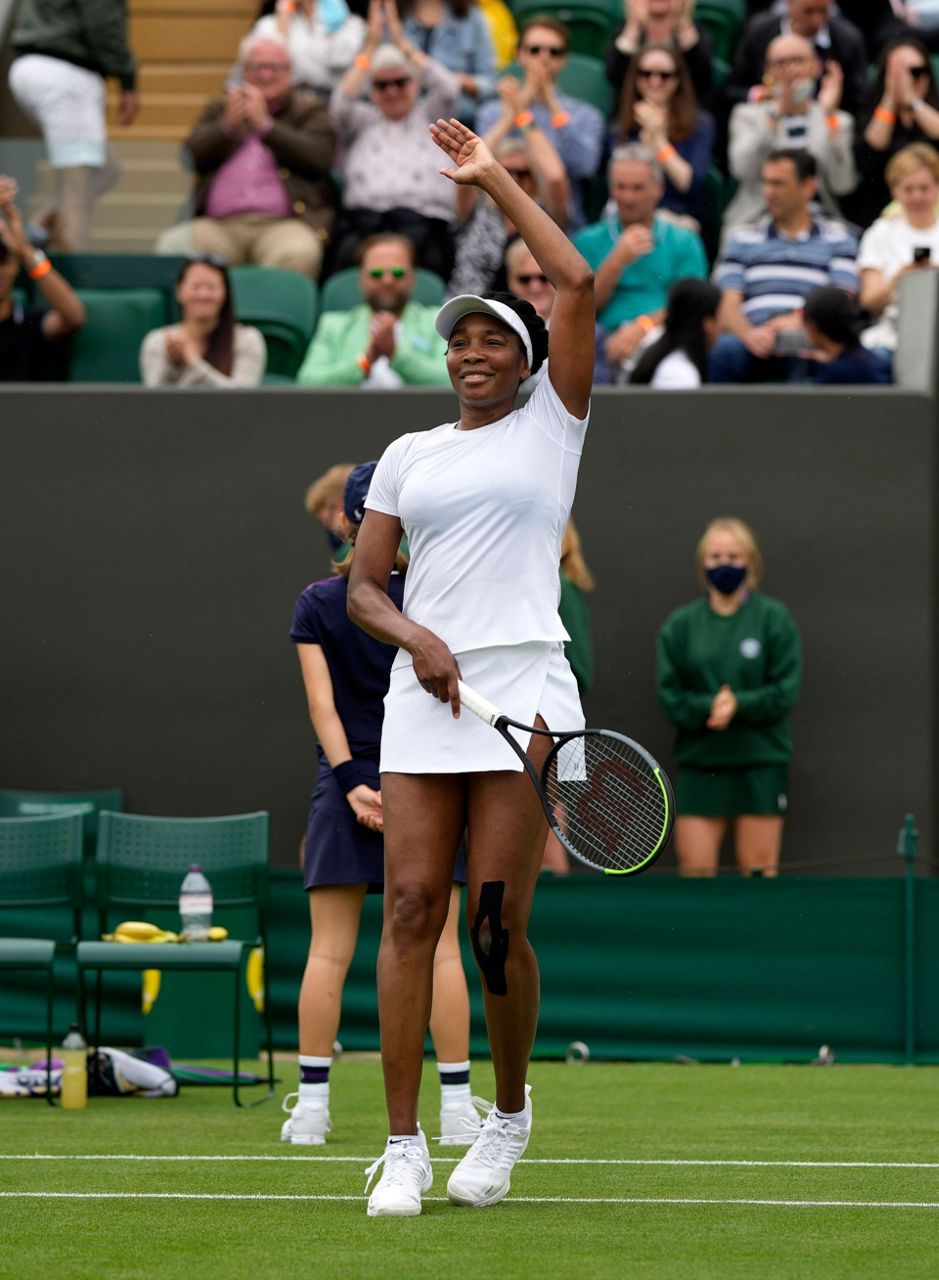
<point>728,673</point>
<point>388,341</point>
<point>636,253</point>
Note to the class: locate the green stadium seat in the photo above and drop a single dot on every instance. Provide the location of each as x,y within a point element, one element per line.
<point>107,348</point>
<point>123,271</point>
<point>34,804</point>
<point>283,305</point>
<point>341,291</point>
<point>723,20</point>
<point>583,78</point>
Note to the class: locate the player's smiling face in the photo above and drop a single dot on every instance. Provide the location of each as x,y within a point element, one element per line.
<point>485,360</point>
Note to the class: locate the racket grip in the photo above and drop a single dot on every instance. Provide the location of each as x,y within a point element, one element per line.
<point>479,705</point>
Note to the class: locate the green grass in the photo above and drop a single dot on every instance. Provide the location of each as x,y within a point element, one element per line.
<point>597,1110</point>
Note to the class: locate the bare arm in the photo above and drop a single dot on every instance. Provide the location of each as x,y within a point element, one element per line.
<point>571,337</point>
<point>66,313</point>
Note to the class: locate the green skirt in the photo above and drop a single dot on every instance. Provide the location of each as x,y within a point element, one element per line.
<point>729,793</point>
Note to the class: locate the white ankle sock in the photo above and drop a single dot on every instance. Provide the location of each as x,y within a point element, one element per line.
<point>512,1115</point>
<point>454,1082</point>
<point>315,1089</point>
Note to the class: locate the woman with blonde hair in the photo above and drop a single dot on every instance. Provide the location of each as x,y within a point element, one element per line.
<point>728,673</point>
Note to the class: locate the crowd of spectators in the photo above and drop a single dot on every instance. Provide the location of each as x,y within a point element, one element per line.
<point>808,164</point>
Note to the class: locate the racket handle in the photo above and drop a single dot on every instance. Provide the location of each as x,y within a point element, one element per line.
<point>479,705</point>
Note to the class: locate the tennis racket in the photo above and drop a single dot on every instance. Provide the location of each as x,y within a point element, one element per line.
<point>606,799</point>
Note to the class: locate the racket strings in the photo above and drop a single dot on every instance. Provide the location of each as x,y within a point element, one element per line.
<point>607,801</point>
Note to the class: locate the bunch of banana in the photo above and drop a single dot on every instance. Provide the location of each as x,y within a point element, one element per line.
<point>139,931</point>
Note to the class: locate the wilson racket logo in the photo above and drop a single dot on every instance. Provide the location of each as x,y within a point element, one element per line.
<point>610,801</point>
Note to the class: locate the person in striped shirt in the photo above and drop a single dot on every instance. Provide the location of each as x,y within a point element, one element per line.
<point>767,271</point>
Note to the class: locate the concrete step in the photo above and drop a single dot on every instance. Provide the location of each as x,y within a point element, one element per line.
<point>245,10</point>
<point>160,109</point>
<point>150,133</point>
<point>207,79</point>
<point>187,37</point>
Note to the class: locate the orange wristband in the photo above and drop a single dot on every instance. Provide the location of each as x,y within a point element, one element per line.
<point>560,119</point>
<point>667,153</point>
<point>364,364</point>
<point>362,61</point>
<point>40,269</point>
<point>832,121</point>
<point>645,323</point>
<point>524,120</point>
<point>888,117</point>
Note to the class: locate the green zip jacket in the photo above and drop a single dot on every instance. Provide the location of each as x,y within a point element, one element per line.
<point>758,652</point>
<point>89,33</point>
<point>341,337</point>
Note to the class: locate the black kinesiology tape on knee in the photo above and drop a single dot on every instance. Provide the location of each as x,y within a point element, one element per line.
<point>491,952</point>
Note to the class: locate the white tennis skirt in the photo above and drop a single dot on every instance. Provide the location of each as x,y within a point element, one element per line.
<point>420,735</point>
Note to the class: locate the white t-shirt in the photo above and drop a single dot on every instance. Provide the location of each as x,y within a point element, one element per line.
<point>484,512</point>
<point>676,373</point>
<point>887,245</point>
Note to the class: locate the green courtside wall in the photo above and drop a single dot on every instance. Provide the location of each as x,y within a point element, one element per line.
<point>651,968</point>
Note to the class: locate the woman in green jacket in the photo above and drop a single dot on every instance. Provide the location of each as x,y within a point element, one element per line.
<point>728,672</point>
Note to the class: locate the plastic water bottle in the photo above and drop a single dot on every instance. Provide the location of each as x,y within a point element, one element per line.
<point>195,906</point>
<point>75,1070</point>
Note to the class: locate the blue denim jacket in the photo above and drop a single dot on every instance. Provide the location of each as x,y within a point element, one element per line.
<point>464,46</point>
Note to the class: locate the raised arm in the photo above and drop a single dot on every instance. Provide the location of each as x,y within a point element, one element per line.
<point>571,337</point>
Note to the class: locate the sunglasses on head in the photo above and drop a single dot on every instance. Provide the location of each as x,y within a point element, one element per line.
<point>553,50</point>
<point>538,276</point>
<point>384,85</point>
<point>208,260</point>
<point>648,73</point>
<point>378,273</point>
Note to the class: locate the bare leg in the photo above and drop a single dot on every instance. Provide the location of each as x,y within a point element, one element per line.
<point>759,841</point>
<point>75,187</point>
<point>335,911</point>
<point>555,856</point>
<point>506,842</point>
<point>449,1010</point>
<point>425,816</point>
<point>698,844</point>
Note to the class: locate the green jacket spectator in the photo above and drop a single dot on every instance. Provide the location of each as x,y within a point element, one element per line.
<point>88,33</point>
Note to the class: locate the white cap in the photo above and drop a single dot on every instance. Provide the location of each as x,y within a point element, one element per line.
<point>467,304</point>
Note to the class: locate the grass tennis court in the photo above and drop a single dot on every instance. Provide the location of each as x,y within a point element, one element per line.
<point>687,1171</point>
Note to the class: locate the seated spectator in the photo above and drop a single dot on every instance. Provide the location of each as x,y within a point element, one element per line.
<point>207,348</point>
<point>833,324</point>
<point>524,279</point>
<point>484,231</point>
<point>767,272</point>
<point>388,341</point>
<point>262,155</point>
<point>31,346</point>
<point>659,108</point>
<point>894,246</point>
<point>792,114</point>
<point>390,164</point>
<point>322,37</point>
<point>661,22</point>
<point>575,129</point>
<point>636,253</point>
<point>834,40</point>
<point>903,108</point>
<point>678,360</point>
<point>455,34</point>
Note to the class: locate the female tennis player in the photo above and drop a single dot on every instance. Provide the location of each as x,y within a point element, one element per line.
<point>345,674</point>
<point>484,502</point>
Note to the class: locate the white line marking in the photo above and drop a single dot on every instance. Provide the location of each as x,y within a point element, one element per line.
<point>694,1164</point>
<point>697,1200</point>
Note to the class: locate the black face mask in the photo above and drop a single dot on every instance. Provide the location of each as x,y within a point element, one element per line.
<point>726,578</point>
<point>335,540</point>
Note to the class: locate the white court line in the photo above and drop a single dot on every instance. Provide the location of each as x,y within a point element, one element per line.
<point>695,1164</point>
<point>672,1200</point>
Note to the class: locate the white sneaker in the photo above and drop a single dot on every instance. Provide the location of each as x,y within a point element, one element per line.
<point>307,1124</point>
<point>406,1176</point>
<point>461,1122</point>
<point>484,1174</point>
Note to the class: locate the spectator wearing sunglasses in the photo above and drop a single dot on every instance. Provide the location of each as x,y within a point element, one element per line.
<point>658,107</point>
<point>262,156</point>
<point>798,112</point>
<point>525,279</point>
<point>575,129</point>
<point>668,22</point>
<point>903,108</point>
<point>389,340</point>
<point>390,166</point>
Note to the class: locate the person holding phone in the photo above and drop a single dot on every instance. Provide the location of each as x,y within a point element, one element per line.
<point>906,241</point>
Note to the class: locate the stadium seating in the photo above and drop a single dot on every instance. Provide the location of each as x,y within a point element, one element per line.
<point>283,305</point>
<point>122,271</point>
<point>723,20</point>
<point>107,349</point>
<point>40,867</point>
<point>590,25</point>
<point>35,804</point>
<point>140,864</point>
<point>341,291</point>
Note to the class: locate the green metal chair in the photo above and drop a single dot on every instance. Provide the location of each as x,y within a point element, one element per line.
<point>33,804</point>
<point>141,862</point>
<point>107,347</point>
<point>119,271</point>
<point>40,868</point>
<point>341,291</point>
<point>282,304</point>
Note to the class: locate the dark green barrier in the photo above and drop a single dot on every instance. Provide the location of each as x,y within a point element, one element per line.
<point>654,968</point>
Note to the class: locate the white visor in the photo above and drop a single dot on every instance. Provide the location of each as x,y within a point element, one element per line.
<point>467,304</point>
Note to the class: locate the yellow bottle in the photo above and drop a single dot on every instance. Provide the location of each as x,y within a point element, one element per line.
<point>75,1070</point>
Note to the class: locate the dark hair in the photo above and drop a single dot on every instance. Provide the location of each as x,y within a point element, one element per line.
<point>219,348</point>
<point>690,303</point>
<point>836,314</point>
<point>553,24</point>
<point>928,94</point>
<point>459,8</point>
<point>803,161</point>
<point>537,329</point>
<point>384,237</point>
<point>683,107</point>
